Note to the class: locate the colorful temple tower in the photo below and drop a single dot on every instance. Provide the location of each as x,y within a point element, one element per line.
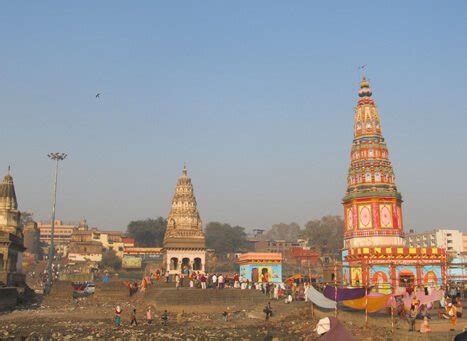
<point>374,252</point>
<point>184,240</point>
<point>372,204</point>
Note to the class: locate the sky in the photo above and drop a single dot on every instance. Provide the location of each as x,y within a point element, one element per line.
<point>257,97</point>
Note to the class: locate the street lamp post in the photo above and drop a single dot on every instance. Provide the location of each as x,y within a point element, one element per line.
<point>55,157</point>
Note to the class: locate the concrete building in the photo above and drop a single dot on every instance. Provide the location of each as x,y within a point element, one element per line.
<point>451,240</point>
<point>89,245</point>
<point>62,235</point>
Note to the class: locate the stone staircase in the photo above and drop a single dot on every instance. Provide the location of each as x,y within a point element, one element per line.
<point>192,300</point>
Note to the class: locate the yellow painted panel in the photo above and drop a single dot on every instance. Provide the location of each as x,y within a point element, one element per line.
<point>434,250</point>
<point>366,250</point>
<point>412,250</point>
<point>377,250</point>
<point>388,250</point>
<point>400,250</point>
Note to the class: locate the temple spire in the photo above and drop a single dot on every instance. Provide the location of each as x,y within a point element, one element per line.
<point>372,204</point>
<point>7,193</point>
<point>365,90</point>
<point>184,170</point>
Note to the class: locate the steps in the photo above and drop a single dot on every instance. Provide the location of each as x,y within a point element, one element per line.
<point>198,299</point>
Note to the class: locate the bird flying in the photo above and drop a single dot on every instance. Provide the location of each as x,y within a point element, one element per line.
<point>98,95</point>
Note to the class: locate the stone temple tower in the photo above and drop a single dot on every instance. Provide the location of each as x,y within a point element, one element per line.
<point>184,240</point>
<point>11,236</point>
<point>372,204</point>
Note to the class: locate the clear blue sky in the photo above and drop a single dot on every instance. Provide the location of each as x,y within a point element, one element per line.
<point>257,97</point>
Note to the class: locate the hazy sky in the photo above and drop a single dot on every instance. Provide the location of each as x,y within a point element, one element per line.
<point>257,97</point>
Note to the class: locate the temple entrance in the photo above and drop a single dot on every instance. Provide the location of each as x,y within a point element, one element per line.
<point>197,264</point>
<point>173,263</point>
<point>254,275</point>
<point>406,279</point>
<point>186,266</point>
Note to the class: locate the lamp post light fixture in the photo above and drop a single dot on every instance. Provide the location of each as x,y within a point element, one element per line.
<point>55,157</point>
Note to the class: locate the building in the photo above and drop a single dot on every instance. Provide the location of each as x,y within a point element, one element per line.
<point>464,243</point>
<point>84,246</point>
<point>261,267</point>
<point>451,240</point>
<point>281,246</point>
<point>62,235</point>
<point>11,236</point>
<point>184,240</point>
<point>374,246</point>
<point>91,244</point>
<point>304,257</point>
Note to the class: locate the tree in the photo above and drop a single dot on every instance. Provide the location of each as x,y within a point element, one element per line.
<point>289,232</point>
<point>326,235</point>
<point>111,260</point>
<point>149,232</point>
<point>225,238</point>
<point>25,217</point>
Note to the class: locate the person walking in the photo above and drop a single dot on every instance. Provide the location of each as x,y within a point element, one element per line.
<point>118,316</point>
<point>165,318</point>
<point>133,317</point>
<point>149,316</point>
<point>214,281</point>
<point>221,281</point>
<point>268,310</point>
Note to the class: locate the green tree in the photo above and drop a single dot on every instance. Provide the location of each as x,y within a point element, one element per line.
<point>289,232</point>
<point>149,232</point>
<point>326,235</point>
<point>111,260</point>
<point>25,217</point>
<point>225,238</point>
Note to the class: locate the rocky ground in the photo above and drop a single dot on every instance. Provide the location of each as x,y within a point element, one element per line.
<point>56,318</point>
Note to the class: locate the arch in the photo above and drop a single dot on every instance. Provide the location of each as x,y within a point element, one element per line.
<point>406,278</point>
<point>430,279</point>
<point>174,263</point>
<point>197,264</point>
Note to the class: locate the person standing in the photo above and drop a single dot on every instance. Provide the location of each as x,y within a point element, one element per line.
<point>452,312</point>
<point>214,280</point>
<point>177,281</point>
<point>412,317</point>
<point>221,281</point>
<point>165,318</point>
<point>149,316</point>
<point>203,281</point>
<point>118,316</point>
<point>133,317</point>
<point>268,310</point>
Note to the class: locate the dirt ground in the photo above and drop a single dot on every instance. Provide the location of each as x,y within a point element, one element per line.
<point>55,318</point>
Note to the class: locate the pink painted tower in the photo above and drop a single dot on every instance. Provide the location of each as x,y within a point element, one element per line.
<point>372,204</point>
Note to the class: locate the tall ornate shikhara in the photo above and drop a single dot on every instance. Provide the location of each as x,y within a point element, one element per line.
<point>184,240</point>
<point>372,204</point>
<point>374,252</point>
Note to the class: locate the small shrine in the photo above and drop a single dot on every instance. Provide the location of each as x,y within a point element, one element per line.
<point>261,267</point>
<point>11,236</point>
<point>374,246</point>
